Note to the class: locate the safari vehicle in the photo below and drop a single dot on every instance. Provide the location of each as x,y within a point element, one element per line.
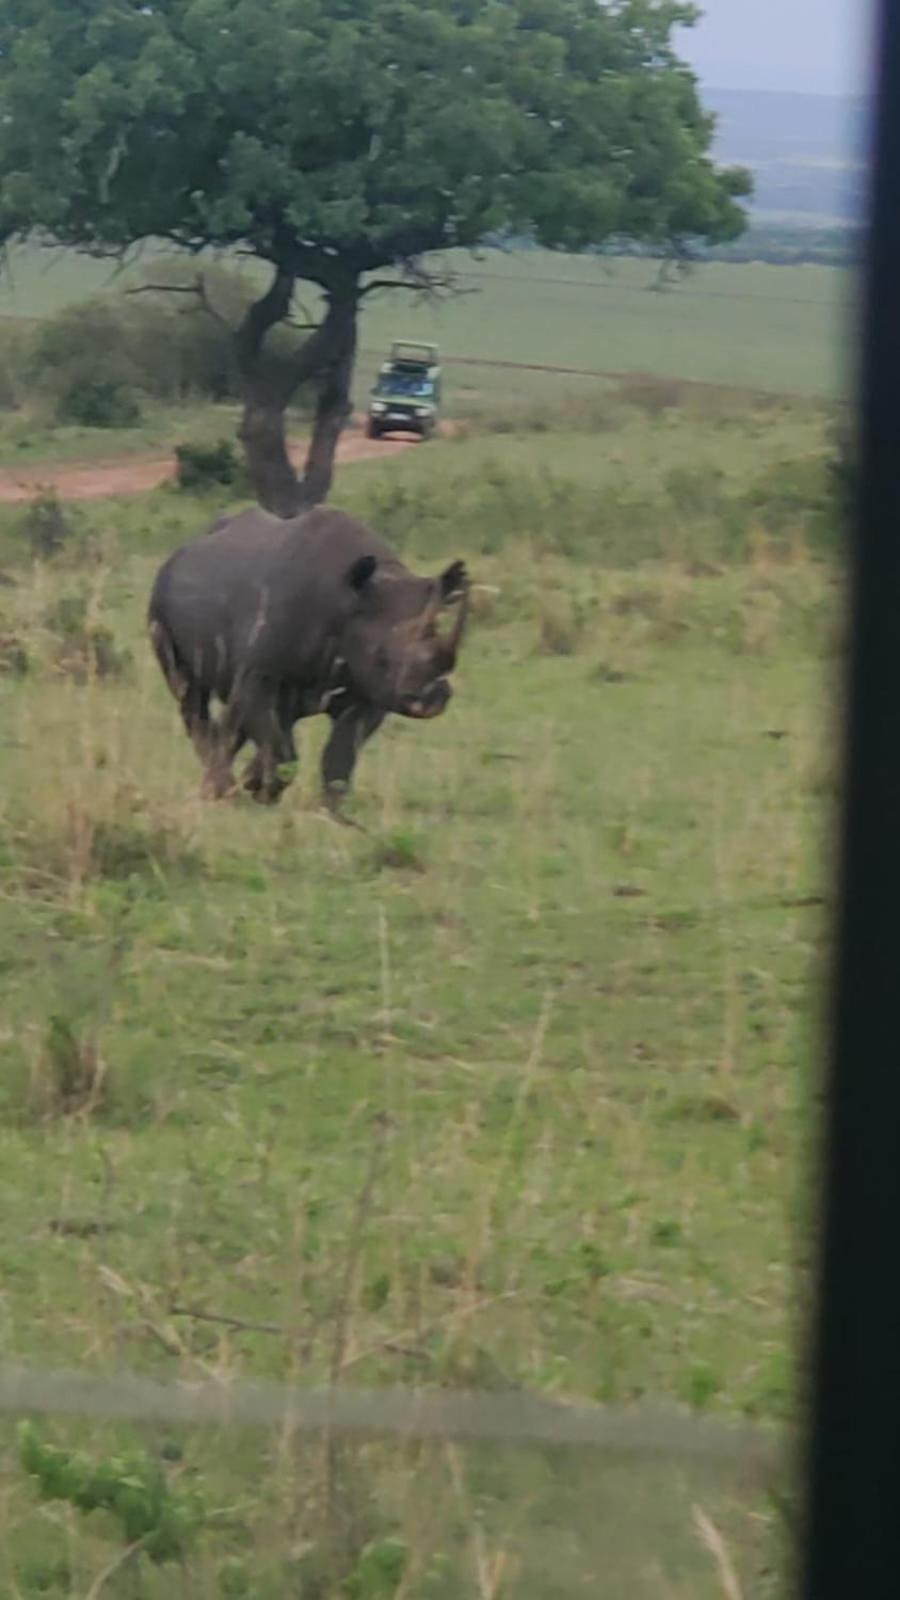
<point>407,391</point>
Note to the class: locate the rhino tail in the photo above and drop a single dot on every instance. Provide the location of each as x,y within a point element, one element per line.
<point>167,656</point>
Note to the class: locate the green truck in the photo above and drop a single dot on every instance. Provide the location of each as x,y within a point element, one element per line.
<point>407,392</point>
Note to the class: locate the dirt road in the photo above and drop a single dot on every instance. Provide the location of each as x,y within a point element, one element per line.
<point>94,480</point>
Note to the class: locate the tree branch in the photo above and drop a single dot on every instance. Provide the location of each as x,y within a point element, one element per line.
<point>197,289</point>
<point>418,279</point>
<point>327,344</point>
<point>272,307</point>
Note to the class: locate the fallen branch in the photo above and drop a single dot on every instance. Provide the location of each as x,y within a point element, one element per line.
<point>712,1540</point>
<point>237,1323</point>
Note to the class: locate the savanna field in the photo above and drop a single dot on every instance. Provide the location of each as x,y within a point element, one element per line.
<point>509,1086</point>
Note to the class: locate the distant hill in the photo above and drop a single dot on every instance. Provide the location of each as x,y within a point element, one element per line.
<point>804,150</point>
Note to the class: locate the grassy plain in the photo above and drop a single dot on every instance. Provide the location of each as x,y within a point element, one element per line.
<point>755,326</point>
<point>509,1088</point>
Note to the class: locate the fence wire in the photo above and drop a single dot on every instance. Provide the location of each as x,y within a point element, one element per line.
<point>513,1418</point>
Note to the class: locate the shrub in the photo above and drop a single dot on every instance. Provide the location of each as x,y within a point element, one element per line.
<point>99,405</point>
<point>560,625</point>
<point>85,650</point>
<point>92,361</point>
<point>117,843</point>
<point>151,1514</point>
<point>398,851</point>
<point>13,656</point>
<point>14,338</point>
<point>69,1076</point>
<point>650,394</point>
<point>799,496</point>
<point>204,466</point>
<point>45,526</point>
<point>80,364</point>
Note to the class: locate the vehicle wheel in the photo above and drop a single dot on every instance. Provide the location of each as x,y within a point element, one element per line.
<point>427,432</point>
<point>373,431</point>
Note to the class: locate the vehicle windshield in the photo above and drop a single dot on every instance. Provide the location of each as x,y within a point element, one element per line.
<point>405,383</point>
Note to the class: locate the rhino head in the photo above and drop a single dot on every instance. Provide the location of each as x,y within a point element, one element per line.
<point>397,652</point>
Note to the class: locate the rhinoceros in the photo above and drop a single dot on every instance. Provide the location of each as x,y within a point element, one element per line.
<point>280,620</point>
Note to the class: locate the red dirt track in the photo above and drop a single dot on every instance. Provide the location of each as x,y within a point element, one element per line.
<point>94,480</point>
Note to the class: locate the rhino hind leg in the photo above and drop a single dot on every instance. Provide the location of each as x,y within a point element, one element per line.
<point>350,730</point>
<point>227,739</point>
<point>192,697</point>
<point>253,715</point>
<point>199,725</point>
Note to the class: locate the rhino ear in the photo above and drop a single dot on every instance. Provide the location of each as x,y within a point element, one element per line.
<point>361,573</point>
<point>453,582</point>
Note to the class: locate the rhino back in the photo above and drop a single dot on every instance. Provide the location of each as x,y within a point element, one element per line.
<point>307,598</point>
<point>260,594</point>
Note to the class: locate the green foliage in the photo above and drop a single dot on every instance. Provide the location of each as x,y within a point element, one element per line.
<point>79,360</point>
<point>202,466</point>
<point>341,140</point>
<point>399,851</point>
<point>14,658</point>
<point>45,526</point>
<point>99,405</point>
<point>70,1075</point>
<point>93,358</point>
<point>13,345</point>
<point>379,1572</point>
<point>85,649</point>
<point>789,244</point>
<point>561,624</point>
<point>574,500</point>
<point>144,1506</point>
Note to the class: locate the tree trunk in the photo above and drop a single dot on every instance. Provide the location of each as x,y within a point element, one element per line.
<point>264,437</point>
<point>333,409</point>
<point>325,359</point>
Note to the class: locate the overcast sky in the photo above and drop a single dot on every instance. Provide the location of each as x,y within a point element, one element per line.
<point>819,46</point>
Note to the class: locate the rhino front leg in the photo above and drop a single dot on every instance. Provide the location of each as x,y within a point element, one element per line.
<point>263,711</point>
<point>351,728</point>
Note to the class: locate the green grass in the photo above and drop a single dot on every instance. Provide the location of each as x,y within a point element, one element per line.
<point>775,328</point>
<point>509,1088</point>
<point>28,440</point>
<point>739,327</point>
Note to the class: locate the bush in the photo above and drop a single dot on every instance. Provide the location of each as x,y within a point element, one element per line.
<point>205,466</point>
<point>99,405</point>
<point>44,526</point>
<point>92,361</point>
<point>560,625</point>
<point>159,1519</point>
<point>13,656</point>
<point>183,346</point>
<point>84,650</point>
<point>80,364</point>
<point>651,394</point>
<point>14,338</point>
<point>69,1077</point>
<point>801,496</point>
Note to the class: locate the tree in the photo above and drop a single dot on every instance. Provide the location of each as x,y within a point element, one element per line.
<point>337,141</point>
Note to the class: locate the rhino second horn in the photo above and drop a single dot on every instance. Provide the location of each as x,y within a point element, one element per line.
<point>450,645</point>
